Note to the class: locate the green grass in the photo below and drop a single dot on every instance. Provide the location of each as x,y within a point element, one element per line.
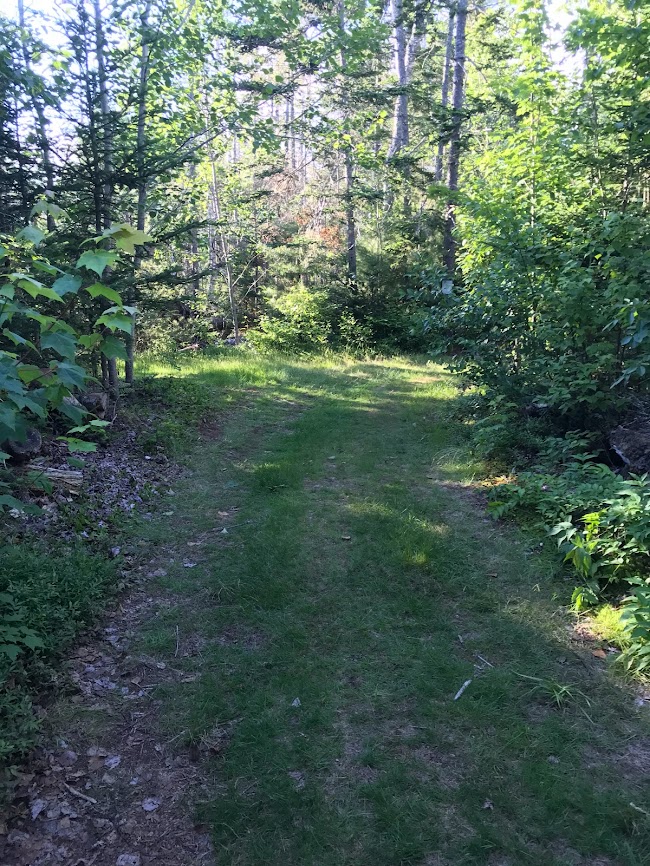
<point>359,574</point>
<point>55,592</point>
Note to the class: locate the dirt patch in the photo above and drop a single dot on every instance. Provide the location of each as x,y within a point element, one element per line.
<point>444,764</point>
<point>241,637</point>
<point>110,789</point>
<point>210,430</point>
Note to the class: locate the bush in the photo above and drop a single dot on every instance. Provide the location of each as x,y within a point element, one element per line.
<point>46,598</point>
<point>299,322</point>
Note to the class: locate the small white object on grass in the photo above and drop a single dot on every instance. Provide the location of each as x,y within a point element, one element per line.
<point>295,702</point>
<point>462,689</point>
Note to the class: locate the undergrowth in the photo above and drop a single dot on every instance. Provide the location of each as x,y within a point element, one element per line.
<point>47,596</point>
<point>560,486</point>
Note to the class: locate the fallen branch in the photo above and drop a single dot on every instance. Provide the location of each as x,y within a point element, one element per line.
<point>79,794</point>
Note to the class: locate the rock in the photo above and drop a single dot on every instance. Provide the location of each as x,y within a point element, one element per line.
<point>128,860</point>
<point>632,444</point>
<point>27,449</point>
<point>96,402</point>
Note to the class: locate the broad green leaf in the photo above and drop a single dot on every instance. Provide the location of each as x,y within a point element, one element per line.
<point>80,445</point>
<point>100,290</point>
<point>43,321</point>
<point>64,345</point>
<point>34,288</point>
<point>113,347</point>
<point>16,339</point>
<point>116,322</point>
<point>130,240</point>
<point>67,284</point>
<point>7,291</point>
<point>31,234</point>
<point>29,373</point>
<point>96,260</point>
<point>71,375</point>
<point>11,502</point>
<point>45,267</point>
<point>89,341</point>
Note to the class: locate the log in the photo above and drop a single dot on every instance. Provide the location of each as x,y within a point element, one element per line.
<point>70,479</point>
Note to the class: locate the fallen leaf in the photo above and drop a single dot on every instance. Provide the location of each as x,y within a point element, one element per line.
<point>488,805</point>
<point>599,653</point>
<point>128,860</point>
<point>112,762</point>
<point>298,779</point>
<point>295,702</point>
<point>150,804</point>
<point>188,564</point>
<point>36,808</point>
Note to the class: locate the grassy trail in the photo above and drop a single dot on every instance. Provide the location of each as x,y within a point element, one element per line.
<point>333,585</point>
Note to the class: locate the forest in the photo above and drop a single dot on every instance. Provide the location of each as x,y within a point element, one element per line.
<point>324,362</point>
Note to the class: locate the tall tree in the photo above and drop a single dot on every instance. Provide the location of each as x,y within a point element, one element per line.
<point>449,242</point>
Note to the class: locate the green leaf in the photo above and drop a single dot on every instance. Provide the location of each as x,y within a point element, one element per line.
<point>64,345</point>
<point>85,427</point>
<point>116,322</point>
<point>34,288</point>
<point>129,240</point>
<point>11,650</point>
<point>7,501</point>
<point>100,290</point>
<point>96,260</point>
<point>67,284</point>
<point>70,374</point>
<point>16,339</point>
<point>78,444</point>
<point>31,234</point>
<point>89,341</point>
<point>28,373</point>
<point>113,347</point>
<point>76,462</point>
<point>4,456</point>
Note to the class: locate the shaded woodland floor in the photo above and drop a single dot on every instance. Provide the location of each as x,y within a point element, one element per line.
<point>320,587</point>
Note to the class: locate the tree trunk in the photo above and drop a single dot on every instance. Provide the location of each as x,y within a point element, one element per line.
<point>446,78</point>
<point>107,188</point>
<point>351,227</point>
<point>107,132</point>
<point>22,176</point>
<point>39,110</point>
<point>401,117</point>
<point>142,180</point>
<point>449,251</point>
<point>223,242</point>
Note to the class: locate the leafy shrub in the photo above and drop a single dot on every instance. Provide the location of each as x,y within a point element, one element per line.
<point>40,341</point>
<point>46,598</point>
<point>635,619</point>
<point>300,322</point>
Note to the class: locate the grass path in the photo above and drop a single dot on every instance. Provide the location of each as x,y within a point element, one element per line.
<point>334,586</point>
